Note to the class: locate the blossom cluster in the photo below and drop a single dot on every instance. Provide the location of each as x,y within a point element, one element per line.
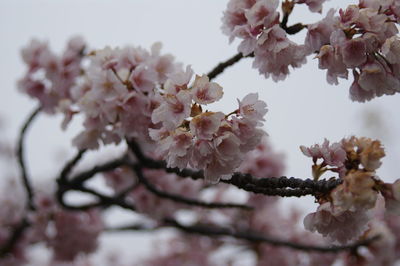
<point>50,77</point>
<point>134,94</point>
<point>117,95</point>
<point>361,38</point>
<point>144,95</point>
<point>343,215</point>
<point>212,141</point>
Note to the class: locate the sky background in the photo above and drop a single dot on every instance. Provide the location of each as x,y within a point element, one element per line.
<point>303,110</point>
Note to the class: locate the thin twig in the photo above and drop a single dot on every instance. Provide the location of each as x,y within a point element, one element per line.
<point>223,65</point>
<point>70,165</point>
<point>21,159</point>
<point>20,228</point>
<point>77,183</point>
<point>133,227</point>
<point>82,177</point>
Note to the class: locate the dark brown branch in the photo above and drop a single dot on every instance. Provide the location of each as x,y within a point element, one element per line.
<point>13,239</point>
<point>20,228</point>
<point>287,8</point>
<point>177,198</point>
<point>214,231</point>
<point>271,186</point>
<point>296,28</point>
<point>223,65</point>
<point>76,183</point>
<point>103,200</point>
<point>82,177</point>
<point>21,159</point>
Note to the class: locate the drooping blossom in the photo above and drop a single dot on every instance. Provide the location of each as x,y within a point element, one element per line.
<point>362,39</point>
<point>341,227</point>
<point>256,23</point>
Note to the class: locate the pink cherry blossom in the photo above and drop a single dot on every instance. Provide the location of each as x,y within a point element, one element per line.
<point>75,233</point>
<point>205,92</point>
<point>274,54</point>
<point>205,125</point>
<point>252,108</point>
<point>332,154</point>
<point>177,148</point>
<point>173,109</point>
<point>50,77</point>
<point>318,34</point>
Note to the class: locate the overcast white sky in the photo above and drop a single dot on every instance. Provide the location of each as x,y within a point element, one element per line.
<point>303,109</point>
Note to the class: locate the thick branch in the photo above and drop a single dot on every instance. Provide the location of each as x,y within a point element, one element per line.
<point>21,159</point>
<point>214,231</point>
<point>271,186</point>
<point>177,198</point>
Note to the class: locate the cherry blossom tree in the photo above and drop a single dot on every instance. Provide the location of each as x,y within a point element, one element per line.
<point>184,163</point>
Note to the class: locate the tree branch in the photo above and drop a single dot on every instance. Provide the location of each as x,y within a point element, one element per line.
<point>82,177</point>
<point>213,231</point>
<point>287,8</point>
<point>223,65</point>
<point>70,165</point>
<point>177,198</point>
<point>271,186</point>
<point>76,183</point>
<point>21,159</point>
